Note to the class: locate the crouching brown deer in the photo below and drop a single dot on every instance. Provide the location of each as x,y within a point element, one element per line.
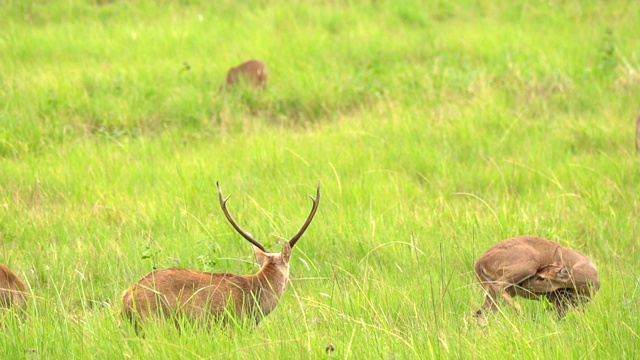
<point>532,267</point>
<point>12,292</point>
<point>196,295</point>
<point>252,72</point>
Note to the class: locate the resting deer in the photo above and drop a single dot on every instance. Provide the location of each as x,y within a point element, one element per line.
<point>12,291</point>
<point>212,296</point>
<point>253,72</point>
<point>532,267</point>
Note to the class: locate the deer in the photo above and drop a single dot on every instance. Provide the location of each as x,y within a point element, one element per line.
<point>196,295</point>
<point>253,72</point>
<point>533,267</point>
<point>638,134</point>
<point>12,291</point>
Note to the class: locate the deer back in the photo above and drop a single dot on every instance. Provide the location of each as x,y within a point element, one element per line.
<point>516,259</point>
<point>254,72</point>
<point>187,292</point>
<point>204,295</point>
<point>12,291</point>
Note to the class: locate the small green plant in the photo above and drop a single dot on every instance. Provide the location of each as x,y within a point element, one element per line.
<point>608,62</point>
<point>150,252</point>
<point>210,260</point>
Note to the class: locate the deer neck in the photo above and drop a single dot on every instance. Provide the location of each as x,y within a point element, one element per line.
<point>584,275</point>
<point>268,286</point>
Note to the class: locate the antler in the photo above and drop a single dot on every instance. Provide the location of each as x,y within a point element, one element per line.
<point>223,203</point>
<point>304,227</point>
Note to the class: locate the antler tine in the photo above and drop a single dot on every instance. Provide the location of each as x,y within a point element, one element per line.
<point>304,227</point>
<point>223,203</point>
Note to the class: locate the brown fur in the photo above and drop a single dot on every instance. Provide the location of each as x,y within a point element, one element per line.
<point>549,278</point>
<point>530,267</point>
<point>555,283</point>
<point>12,291</point>
<point>195,294</point>
<point>215,297</point>
<point>253,72</point>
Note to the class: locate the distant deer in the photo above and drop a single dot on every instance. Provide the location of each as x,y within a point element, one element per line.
<point>212,296</point>
<point>533,267</point>
<point>12,293</point>
<point>638,134</point>
<point>252,72</point>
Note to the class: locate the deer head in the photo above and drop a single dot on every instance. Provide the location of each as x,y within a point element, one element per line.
<point>550,277</point>
<point>264,256</point>
<point>203,295</point>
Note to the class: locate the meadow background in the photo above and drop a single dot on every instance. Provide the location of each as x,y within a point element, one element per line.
<point>436,129</point>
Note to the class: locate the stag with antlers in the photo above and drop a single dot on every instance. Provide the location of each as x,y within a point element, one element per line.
<point>197,295</point>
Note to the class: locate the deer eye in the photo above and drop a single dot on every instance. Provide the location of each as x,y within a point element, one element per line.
<point>540,278</point>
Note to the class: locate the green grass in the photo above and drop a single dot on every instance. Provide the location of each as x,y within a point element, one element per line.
<point>436,130</point>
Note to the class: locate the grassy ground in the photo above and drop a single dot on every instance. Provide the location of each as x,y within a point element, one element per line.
<point>436,130</point>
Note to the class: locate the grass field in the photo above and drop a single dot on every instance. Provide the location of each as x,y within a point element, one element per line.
<point>435,128</point>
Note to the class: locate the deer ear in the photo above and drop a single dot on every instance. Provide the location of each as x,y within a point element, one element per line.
<point>564,273</point>
<point>557,257</point>
<point>286,252</point>
<point>261,258</point>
